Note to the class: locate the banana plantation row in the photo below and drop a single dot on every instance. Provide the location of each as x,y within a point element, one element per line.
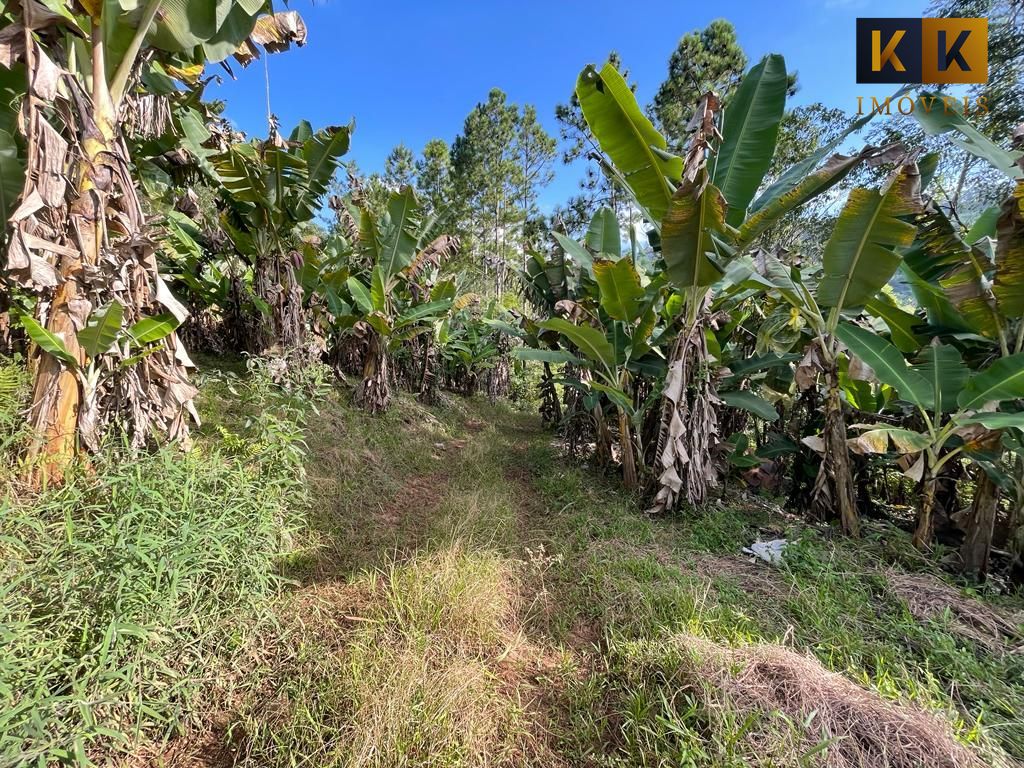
<point>695,353</point>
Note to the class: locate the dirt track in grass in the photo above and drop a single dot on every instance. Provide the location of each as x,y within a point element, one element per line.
<point>466,598</point>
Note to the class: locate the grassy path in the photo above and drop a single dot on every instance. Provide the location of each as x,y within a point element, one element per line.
<point>466,598</point>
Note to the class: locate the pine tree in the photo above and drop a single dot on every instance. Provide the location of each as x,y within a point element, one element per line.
<point>536,154</point>
<point>711,59</point>
<point>434,175</point>
<point>399,168</point>
<point>486,180</point>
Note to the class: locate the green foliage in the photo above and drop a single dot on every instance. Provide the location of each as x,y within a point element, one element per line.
<point>751,127</point>
<point>128,585</point>
<point>625,134</point>
<point>707,60</point>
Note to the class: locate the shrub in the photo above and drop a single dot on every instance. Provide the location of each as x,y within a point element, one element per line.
<point>124,589</point>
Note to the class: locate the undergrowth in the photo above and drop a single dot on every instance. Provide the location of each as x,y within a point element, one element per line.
<point>458,595</point>
<point>127,589</point>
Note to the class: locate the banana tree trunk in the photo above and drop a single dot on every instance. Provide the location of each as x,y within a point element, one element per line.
<point>923,533</point>
<point>602,434</point>
<point>979,525</point>
<point>684,458</point>
<point>629,474</point>
<point>550,407</point>
<point>374,391</point>
<point>836,464</point>
<point>428,378</point>
<point>81,208</point>
<point>56,392</point>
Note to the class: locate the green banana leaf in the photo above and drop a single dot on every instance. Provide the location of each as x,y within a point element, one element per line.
<point>430,310</point>
<point>47,341</point>
<point>686,234</point>
<point>1002,380</point>
<point>888,364</point>
<point>398,243</point>
<point>939,120</point>
<point>628,138</point>
<point>553,356</point>
<point>360,295</point>
<point>862,253</point>
<point>795,195</point>
<point>943,367</point>
<point>900,323</point>
<point>796,173</point>
<point>749,133</point>
<point>149,330</point>
<point>591,342</point>
<point>101,329</point>
<point>620,288</point>
<point>750,402</point>
<point>603,235</point>
<point>579,254</point>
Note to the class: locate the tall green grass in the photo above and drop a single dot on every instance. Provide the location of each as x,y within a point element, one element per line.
<point>126,588</point>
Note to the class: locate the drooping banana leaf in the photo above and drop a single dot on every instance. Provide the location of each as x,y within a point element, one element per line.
<point>553,356</point>
<point>796,174</point>
<point>876,438</point>
<point>628,138</point>
<point>941,119</point>
<point>687,234</point>
<point>930,297</point>
<point>750,131</point>
<point>579,254</point>
<point>590,341</point>
<point>861,255</point>
<point>430,311</point>
<point>620,288</point>
<point>1002,380</point>
<point>888,364</point>
<point>152,329</point>
<point>900,323</point>
<point>804,190</point>
<point>995,420</point>
<point>940,256</point>
<point>750,402</point>
<point>47,341</point>
<point>967,288</point>
<point>983,226</point>
<point>360,295</point>
<point>1008,286</point>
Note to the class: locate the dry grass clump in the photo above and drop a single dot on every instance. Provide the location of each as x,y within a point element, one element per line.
<point>838,723</point>
<point>927,598</point>
<point>413,668</point>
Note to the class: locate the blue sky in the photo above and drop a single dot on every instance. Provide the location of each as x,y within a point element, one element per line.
<point>411,71</point>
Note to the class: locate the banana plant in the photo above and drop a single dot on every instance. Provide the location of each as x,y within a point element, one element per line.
<point>969,282</point>
<point>469,349</point>
<point>395,246</point>
<point>951,400</point>
<point>860,257</point>
<point>78,236</point>
<point>270,188</point>
<point>609,332</point>
<point>112,350</point>
<point>704,211</point>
